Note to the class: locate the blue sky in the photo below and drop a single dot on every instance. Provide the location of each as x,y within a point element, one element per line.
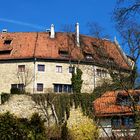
<point>37,15</point>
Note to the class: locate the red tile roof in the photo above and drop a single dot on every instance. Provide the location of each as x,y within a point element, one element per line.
<point>107,104</point>
<point>40,45</point>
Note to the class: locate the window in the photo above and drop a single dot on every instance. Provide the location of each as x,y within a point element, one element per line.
<point>18,86</point>
<point>110,61</point>
<point>88,56</point>
<point>7,42</point>
<point>59,69</point>
<point>124,100</point>
<point>57,88</point>
<point>41,67</point>
<point>98,72</point>
<point>14,86</point>
<point>116,122</point>
<point>21,87</point>
<point>123,121</point>
<point>71,69</point>
<point>104,73</point>
<point>63,53</point>
<point>21,68</point>
<point>128,122</point>
<point>101,73</point>
<point>39,87</point>
<point>5,52</point>
<point>62,88</point>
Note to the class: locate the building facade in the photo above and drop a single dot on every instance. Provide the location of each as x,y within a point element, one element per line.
<point>116,113</point>
<point>43,62</point>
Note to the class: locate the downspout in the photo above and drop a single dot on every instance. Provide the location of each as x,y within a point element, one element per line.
<point>34,82</point>
<point>34,57</point>
<point>94,80</point>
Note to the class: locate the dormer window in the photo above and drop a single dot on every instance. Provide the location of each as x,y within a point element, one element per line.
<point>89,56</point>
<point>124,100</point>
<point>64,53</point>
<point>5,52</point>
<point>109,61</point>
<point>7,42</point>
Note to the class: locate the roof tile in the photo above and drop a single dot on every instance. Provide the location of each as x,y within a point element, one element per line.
<point>40,45</point>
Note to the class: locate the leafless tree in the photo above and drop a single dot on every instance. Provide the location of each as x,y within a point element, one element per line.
<point>126,17</point>
<point>118,77</point>
<point>25,76</point>
<point>45,104</point>
<point>96,30</point>
<point>68,28</point>
<point>126,10</point>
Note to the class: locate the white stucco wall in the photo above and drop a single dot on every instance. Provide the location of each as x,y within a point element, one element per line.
<point>8,76</point>
<point>105,127</point>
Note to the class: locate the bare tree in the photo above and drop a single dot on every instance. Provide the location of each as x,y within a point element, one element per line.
<point>119,79</point>
<point>25,76</point>
<point>126,10</point>
<point>126,17</point>
<point>96,30</point>
<point>45,104</point>
<point>68,28</point>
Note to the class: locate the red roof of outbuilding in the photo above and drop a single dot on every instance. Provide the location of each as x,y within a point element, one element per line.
<point>107,104</point>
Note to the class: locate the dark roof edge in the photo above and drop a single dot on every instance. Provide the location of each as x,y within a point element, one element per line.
<point>60,60</point>
<point>114,114</point>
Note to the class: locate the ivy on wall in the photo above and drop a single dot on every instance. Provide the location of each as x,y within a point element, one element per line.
<point>77,81</point>
<point>62,104</point>
<point>4,97</point>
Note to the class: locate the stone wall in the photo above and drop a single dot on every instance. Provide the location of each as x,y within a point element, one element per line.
<point>48,77</point>
<point>9,75</point>
<point>23,106</point>
<point>20,105</point>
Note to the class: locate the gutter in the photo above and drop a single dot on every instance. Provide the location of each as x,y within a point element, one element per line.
<point>34,75</point>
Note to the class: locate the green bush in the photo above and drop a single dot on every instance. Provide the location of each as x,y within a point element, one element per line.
<point>4,97</point>
<point>13,128</point>
<point>37,127</point>
<point>9,129</point>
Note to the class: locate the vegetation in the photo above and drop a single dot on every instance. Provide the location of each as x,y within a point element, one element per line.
<point>126,17</point>
<point>63,102</point>
<point>13,128</point>
<point>17,91</point>
<point>84,129</point>
<point>77,81</point>
<point>4,97</point>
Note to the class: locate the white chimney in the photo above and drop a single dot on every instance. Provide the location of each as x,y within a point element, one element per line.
<point>52,32</point>
<point>4,30</point>
<point>77,35</point>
